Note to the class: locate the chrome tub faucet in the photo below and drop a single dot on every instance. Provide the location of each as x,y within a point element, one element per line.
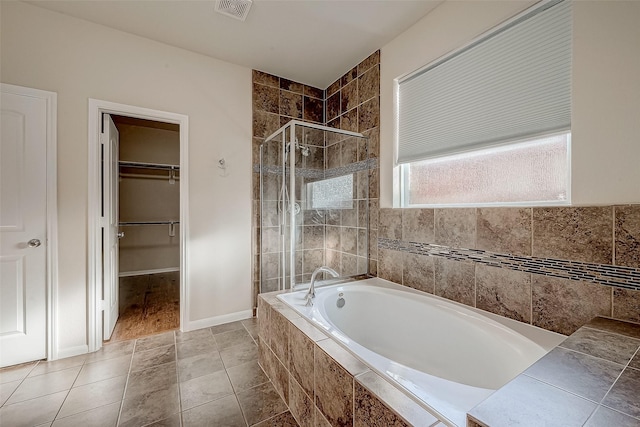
<point>311,294</point>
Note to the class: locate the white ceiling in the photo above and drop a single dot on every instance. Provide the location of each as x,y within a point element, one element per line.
<point>309,41</point>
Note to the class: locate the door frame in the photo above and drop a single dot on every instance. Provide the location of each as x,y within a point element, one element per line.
<point>51,277</point>
<point>94,268</point>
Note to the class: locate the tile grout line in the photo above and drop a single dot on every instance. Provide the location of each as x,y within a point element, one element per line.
<point>175,343</point>
<point>68,392</point>
<point>126,384</point>
<point>21,382</point>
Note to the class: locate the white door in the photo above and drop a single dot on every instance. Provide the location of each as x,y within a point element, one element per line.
<point>110,230</point>
<point>23,213</point>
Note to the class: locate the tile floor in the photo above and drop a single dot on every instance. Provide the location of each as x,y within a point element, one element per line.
<point>208,377</point>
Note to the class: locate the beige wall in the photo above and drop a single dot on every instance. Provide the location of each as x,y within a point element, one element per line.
<point>80,60</point>
<point>606,90</point>
<point>606,102</point>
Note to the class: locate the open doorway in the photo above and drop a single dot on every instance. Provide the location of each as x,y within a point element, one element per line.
<point>148,227</point>
<point>138,222</point>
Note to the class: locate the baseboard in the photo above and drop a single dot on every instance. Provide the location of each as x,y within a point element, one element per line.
<point>144,272</point>
<point>217,320</point>
<point>72,351</point>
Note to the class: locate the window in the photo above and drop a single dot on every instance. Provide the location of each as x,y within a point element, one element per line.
<point>490,123</point>
<point>331,193</point>
<point>529,172</point>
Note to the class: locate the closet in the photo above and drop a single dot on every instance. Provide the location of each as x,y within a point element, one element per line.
<point>149,227</point>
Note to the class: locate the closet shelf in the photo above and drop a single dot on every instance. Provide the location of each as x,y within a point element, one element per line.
<point>142,165</point>
<point>171,224</point>
<point>129,223</point>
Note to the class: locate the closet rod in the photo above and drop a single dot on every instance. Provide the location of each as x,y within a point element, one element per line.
<point>122,224</point>
<point>148,165</point>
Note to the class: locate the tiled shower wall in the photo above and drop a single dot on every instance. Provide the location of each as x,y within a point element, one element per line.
<point>353,103</point>
<point>275,102</point>
<point>554,267</point>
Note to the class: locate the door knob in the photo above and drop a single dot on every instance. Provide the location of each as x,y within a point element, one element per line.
<point>33,243</point>
<point>120,235</point>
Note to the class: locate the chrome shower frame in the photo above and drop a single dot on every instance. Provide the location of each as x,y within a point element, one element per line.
<point>291,125</point>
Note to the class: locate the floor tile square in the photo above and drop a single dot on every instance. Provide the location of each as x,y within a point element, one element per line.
<point>32,412</point>
<point>200,390</point>
<point>6,389</point>
<point>154,341</point>
<point>172,421</point>
<point>152,379</point>
<point>150,407</point>
<point>44,367</point>
<point>103,416</point>
<point>282,420</point>
<point>237,355</point>
<point>226,327</point>
<point>246,376</point>
<point>149,358</point>
<point>102,370</point>
<point>223,412</point>
<point>195,347</point>
<point>112,351</point>
<point>197,366</point>
<point>93,395</point>
<point>233,338</point>
<point>198,334</point>
<point>260,403</point>
<point>15,373</point>
<point>41,385</point>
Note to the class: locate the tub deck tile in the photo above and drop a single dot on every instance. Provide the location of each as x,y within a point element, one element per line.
<point>528,402</point>
<point>578,373</point>
<point>595,367</point>
<point>343,357</point>
<point>374,388</point>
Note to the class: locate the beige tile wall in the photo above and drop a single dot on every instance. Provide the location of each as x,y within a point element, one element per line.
<point>353,103</point>
<point>599,235</point>
<point>276,101</point>
<point>323,384</point>
<point>341,239</point>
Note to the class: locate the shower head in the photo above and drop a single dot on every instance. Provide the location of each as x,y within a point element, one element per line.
<point>304,150</point>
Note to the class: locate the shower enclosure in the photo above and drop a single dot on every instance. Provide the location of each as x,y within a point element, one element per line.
<point>314,204</point>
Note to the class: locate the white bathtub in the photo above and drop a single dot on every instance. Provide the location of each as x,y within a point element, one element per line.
<point>447,356</point>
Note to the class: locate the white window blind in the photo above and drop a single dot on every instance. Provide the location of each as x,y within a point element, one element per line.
<point>512,84</point>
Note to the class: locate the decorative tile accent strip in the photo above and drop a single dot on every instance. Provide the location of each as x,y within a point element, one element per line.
<point>320,173</point>
<point>604,274</point>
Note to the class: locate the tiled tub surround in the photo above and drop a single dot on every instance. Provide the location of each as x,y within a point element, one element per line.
<point>592,379</point>
<point>553,267</point>
<point>420,342</point>
<point>322,383</point>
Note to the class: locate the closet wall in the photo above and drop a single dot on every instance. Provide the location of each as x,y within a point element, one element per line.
<point>148,195</point>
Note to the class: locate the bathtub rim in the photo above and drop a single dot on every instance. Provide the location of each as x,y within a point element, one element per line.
<point>544,338</point>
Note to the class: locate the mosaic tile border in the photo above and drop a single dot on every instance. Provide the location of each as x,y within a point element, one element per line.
<point>321,173</point>
<point>604,274</point>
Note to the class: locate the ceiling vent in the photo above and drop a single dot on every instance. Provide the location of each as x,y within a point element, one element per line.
<point>238,9</point>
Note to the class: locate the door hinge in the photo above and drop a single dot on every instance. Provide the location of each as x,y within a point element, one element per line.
<point>102,305</point>
<point>103,137</point>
